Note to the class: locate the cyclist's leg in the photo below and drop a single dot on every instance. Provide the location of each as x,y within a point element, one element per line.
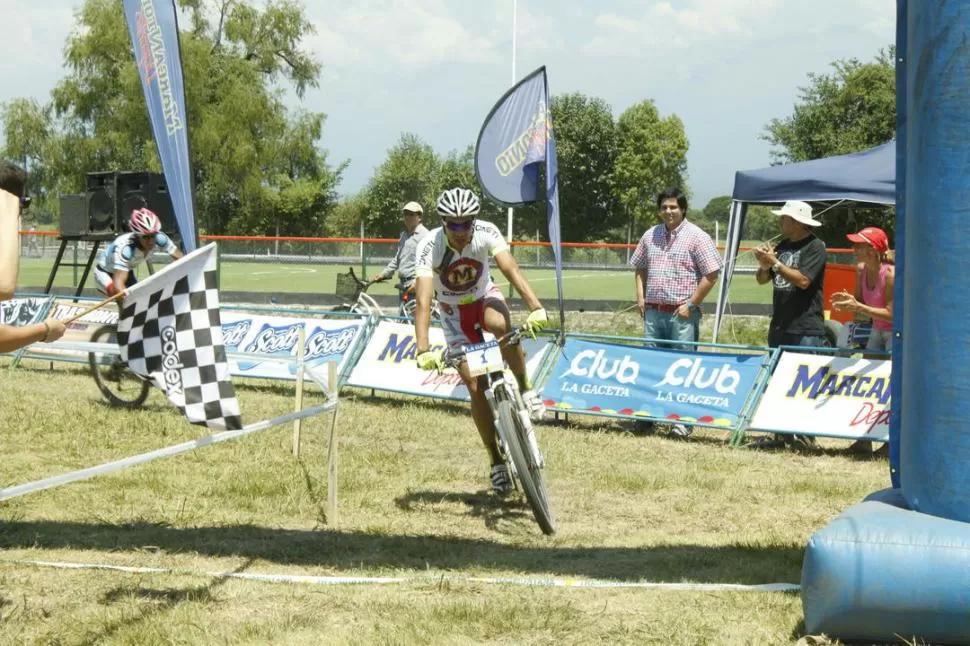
<point>460,325</point>
<point>498,321</point>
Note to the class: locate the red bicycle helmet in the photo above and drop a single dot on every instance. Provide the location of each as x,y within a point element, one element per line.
<point>144,222</point>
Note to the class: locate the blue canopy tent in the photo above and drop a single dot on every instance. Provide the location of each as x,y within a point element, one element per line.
<point>867,177</point>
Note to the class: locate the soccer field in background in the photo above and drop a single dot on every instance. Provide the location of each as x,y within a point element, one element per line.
<point>236,276</point>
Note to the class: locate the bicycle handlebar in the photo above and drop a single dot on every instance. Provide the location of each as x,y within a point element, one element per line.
<point>453,358</point>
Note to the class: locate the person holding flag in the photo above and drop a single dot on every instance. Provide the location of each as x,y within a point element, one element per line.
<point>452,261</point>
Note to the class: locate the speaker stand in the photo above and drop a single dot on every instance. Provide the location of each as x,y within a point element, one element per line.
<point>96,239</point>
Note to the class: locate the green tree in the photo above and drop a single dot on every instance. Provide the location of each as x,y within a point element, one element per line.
<point>651,157</point>
<point>850,109</point>
<point>27,133</point>
<point>586,152</point>
<point>255,164</point>
<point>407,174</point>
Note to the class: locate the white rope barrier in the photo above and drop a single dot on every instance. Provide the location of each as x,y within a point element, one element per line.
<point>426,578</point>
<point>110,467</point>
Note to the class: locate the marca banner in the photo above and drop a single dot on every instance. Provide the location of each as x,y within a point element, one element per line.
<point>153,26</point>
<point>516,138</point>
<point>326,340</point>
<point>387,363</point>
<point>831,396</point>
<point>77,331</point>
<point>622,380</point>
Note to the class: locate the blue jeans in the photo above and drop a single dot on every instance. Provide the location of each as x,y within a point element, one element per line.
<point>774,340</point>
<point>667,326</point>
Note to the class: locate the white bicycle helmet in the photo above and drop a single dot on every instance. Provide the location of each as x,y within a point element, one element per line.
<point>144,222</point>
<point>458,203</point>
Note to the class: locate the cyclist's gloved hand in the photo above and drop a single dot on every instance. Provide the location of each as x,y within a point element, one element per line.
<point>431,360</point>
<point>537,320</point>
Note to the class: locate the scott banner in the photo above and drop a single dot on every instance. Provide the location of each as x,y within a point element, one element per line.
<point>326,340</point>
<point>620,380</point>
<point>387,363</point>
<point>829,396</point>
<point>153,27</point>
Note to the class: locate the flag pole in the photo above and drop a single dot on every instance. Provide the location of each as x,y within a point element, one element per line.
<point>93,307</point>
<point>515,6</point>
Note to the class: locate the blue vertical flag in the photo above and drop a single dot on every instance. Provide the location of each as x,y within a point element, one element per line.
<point>516,138</point>
<point>154,35</point>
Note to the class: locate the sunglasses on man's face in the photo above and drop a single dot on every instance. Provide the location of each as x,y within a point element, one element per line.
<point>459,225</point>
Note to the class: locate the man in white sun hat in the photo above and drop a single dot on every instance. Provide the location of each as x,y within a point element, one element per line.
<point>796,268</point>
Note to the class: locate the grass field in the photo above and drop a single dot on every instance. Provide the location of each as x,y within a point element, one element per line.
<point>581,284</point>
<point>413,504</point>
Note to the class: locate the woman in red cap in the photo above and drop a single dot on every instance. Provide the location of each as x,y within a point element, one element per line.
<point>873,298</point>
<point>873,286</point>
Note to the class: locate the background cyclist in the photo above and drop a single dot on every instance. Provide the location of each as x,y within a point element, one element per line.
<point>452,261</point>
<point>115,270</point>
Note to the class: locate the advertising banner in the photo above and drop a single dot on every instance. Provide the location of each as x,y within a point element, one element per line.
<point>77,331</point>
<point>829,396</point>
<point>23,310</point>
<point>626,381</point>
<point>326,340</point>
<point>387,363</point>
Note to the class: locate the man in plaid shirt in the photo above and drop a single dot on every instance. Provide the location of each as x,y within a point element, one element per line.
<point>676,266</point>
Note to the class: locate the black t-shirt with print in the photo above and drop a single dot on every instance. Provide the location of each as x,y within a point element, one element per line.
<point>799,311</point>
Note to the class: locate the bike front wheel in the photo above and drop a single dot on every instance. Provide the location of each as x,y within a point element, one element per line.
<point>513,434</point>
<point>119,385</point>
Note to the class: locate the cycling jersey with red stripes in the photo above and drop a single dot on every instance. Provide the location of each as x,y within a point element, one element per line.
<point>462,282</point>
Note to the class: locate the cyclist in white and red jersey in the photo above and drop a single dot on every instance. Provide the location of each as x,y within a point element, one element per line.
<point>115,270</point>
<point>452,261</point>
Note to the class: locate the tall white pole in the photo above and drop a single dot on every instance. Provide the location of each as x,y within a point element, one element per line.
<point>515,4</point>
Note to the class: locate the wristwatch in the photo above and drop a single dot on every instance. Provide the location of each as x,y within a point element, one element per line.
<point>777,266</point>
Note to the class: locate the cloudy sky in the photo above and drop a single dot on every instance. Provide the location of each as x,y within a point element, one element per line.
<point>436,67</point>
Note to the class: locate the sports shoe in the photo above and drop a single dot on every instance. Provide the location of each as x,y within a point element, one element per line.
<point>533,403</point>
<point>501,482</point>
<point>679,430</point>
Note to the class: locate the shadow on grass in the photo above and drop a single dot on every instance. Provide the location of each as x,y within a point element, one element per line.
<point>159,601</point>
<point>487,506</point>
<point>354,550</point>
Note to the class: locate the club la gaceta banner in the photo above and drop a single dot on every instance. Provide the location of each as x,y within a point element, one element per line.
<point>629,381</point>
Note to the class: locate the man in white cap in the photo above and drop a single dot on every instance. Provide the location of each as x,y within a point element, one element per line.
<point>407,249</point>
<point>796,268</point>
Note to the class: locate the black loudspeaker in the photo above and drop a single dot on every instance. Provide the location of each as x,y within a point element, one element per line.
<point>112,196</point>
<point>74,214</point>
<point>102,207</point>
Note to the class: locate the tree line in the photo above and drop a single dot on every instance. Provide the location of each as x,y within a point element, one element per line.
<point>259,168</point>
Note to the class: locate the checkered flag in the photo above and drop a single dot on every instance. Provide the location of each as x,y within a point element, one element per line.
<point>170,331</point>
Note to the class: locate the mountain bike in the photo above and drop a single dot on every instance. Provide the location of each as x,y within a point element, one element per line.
<point>517,442</point>
<point>408,303</point>
<point>353,291</point>
<point>117,383</point>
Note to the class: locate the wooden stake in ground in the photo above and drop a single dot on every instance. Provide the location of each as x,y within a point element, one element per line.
<point>332,389</point>
<point>298,422</point>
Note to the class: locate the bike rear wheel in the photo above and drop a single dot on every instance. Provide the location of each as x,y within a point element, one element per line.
<point>119,385</point>
<point>513,434</point>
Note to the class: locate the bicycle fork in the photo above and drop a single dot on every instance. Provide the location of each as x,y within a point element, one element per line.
<point>508,381</point>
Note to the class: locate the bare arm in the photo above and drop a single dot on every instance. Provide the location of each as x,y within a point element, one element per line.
<point>880,313</point>
<point>510,268</point>
<point>704,287</point>
<point>793,276</point>
<point>640,279</point>
<point>120,277</point>
<point>14,337</point>
<point>9,243</point>
<point>422,315</point>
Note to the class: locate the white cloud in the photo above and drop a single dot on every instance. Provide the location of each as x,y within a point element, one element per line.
<point>409,34</point>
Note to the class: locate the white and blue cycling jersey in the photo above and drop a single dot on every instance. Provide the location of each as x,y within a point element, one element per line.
<point>124,253</point>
